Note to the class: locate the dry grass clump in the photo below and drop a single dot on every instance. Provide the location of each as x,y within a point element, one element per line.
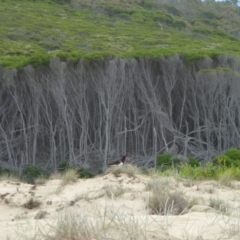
<point>226,179</point>
<point>128,169</point>
<point>158,184</point>
<point>87,196</point>
<point>109,224</point>
<point>219,205</point>
<point>10,177</point>
<point>40,181</point>
<point>113,191</point>
<point>163,202</point>
<point>31,204</point>
<point>69,176</point>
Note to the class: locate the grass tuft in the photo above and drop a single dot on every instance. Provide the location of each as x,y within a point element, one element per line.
<point>113,191</point>
<point>226,178</point>
<point>129,169</point>
<point>220,205</point>
<point>163,202</point>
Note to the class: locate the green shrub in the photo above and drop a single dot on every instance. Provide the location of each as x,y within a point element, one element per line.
<point>161,17</point>
<point>8,172</point>
<point>179,24</point>
<point>165,161</point>
<point>85,173</point>
<point>30,173</point>
<point>208,15</point>
<point>39,59</point>
<point>203,31</point>
<point>194,162</point>
<point>233,154</point>
<point>82,172</point>
<point>209,171</point>
<point>63,166</point>
<point>148,4</point>
<point>222,160</point>
<point>172,10</point>
<point>230,158</point>
<point>221,33</point>
<point>189,172</point>
<point>111,11</point>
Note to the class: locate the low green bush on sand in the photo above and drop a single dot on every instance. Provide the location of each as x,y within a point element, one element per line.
<point>82,172</point>
<point>30,173</point>
<point>230,158</point>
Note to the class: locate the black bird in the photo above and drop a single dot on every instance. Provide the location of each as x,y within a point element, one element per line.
<point>120,162</point>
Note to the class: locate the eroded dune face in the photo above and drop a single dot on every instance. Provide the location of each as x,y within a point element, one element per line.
<point>119,206</point>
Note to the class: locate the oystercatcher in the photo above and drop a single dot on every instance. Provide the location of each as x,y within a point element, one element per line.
<point>120,162</point>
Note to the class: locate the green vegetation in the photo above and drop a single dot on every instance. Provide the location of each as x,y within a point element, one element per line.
<point>225,167</point>
<point>8,172</point>
<point>162,201</point>
<point>33,32</point>
<point>30,173</point>
<point>82,172</point>
<point>231,158</point>
<point>33,174</point>
<point>164,161</point>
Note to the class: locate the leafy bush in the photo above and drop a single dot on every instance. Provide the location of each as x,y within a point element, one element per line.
<point>208,15</point>
<point>172,10</point>
<point>203,31</point>
<point>82,172</point>
<point>222,160</point>
<point>233,154</point>
<point>111,11</point>
<point>194,162</point>
<point>161,17</point>
<point>148,4</point>
<point>85,173</point>
<point>222,173</point>
<point>63,166</point>
<point>30,173</point>
<point>230,158</point>
<point>62,1</point>
<point>209,171</point>
<point>39,59</point>
<point>179,24</point>
<point>8,172</point>
<point>165,161</point>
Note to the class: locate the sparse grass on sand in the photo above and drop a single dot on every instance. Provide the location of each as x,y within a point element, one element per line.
<point>163,202</point>
<point>40,181</point>
<point>220,205</point>
<point>162,205</point>
<point>226,179</point>
<point>12,178</point>
<point>67,177</point>
<point>128,169</point>
<point>109,223</point>
<point>113,191</point>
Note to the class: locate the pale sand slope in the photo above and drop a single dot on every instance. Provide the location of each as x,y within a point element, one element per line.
<point>122,201</point>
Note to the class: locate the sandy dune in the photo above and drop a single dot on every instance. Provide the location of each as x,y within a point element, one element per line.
<point>120,203</point>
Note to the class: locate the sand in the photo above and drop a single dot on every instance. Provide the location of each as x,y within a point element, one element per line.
<point>120,204</point>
